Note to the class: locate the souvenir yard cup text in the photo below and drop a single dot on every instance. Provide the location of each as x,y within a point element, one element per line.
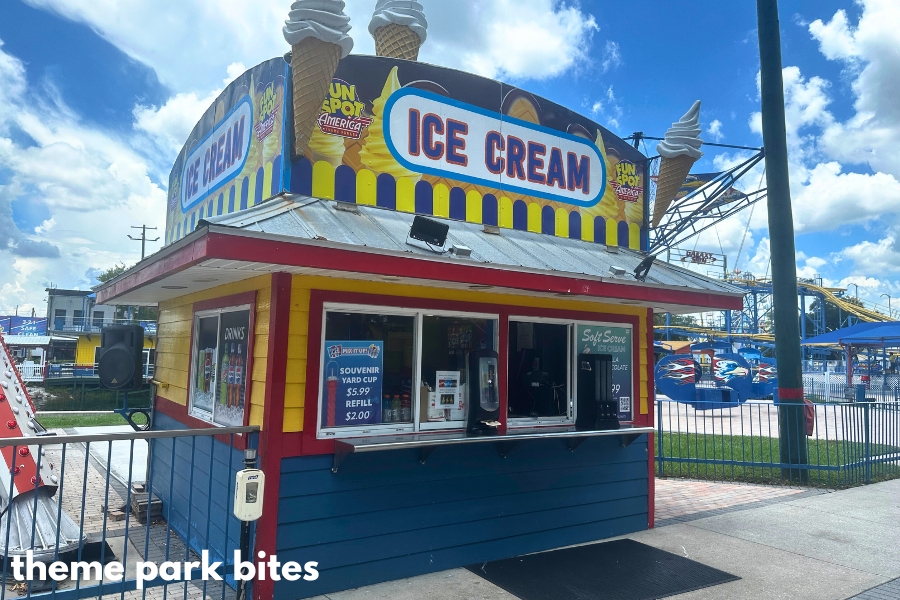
<point>442,137</point>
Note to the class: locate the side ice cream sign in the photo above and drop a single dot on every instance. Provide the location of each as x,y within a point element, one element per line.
<point>442,137</point>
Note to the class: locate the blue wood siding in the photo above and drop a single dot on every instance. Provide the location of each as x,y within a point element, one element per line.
<point>385,516</point>
<point>197,506</point>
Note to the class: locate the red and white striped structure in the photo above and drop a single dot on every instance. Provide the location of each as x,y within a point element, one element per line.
<point>17,420</point>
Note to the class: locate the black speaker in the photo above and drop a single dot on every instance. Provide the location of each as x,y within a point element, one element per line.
<point>121,358</point>
<point>596,407</point>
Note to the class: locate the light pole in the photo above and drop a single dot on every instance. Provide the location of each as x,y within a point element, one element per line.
<point>890,312</point>
<point>791,415</point>
<point>857,289</point>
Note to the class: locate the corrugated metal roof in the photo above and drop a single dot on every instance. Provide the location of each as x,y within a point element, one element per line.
<point>386,230</point>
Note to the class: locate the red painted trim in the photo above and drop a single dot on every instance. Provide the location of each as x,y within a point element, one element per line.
<point>651,416</point>
<point>193,253</point>
<point>270,441</point>
<point>503,366</point>
<point>310,445</point>
<point>651,483</point>
<point>790,393</point>
<point>180,413</point>
<point>226,302</point>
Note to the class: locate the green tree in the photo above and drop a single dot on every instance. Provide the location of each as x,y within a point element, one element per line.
<point>834,317</point>
<point>659,320</point>
<point>112,272</point>
<point>134,313</point>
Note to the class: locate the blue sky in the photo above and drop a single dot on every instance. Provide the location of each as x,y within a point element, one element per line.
<point>97,98</point>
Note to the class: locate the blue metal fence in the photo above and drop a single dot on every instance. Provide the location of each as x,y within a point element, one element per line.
<point>108,504</point>
<point>847,443</point>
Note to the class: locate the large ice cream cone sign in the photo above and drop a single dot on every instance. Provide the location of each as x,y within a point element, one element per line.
<point>399,28</point>
<point>317,32</point>
<point>679,151</point>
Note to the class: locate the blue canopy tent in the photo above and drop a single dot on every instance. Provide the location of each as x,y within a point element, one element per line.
<point>882,335</point>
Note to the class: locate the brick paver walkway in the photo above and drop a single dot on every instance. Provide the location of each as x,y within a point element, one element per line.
<point>681,500</point>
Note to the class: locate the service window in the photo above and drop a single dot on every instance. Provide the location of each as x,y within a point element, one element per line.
<point>541,381</point>
<point>539,375</point>
<point>447,341</point>
<point>388,371</point>
<point>219,372</point>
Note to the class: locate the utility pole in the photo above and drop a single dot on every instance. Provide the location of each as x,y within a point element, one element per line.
<point>791,414</point>
<point>143,239</point>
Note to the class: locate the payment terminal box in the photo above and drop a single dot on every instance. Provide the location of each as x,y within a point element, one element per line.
<point>595,406</point>
<point>483,393</point>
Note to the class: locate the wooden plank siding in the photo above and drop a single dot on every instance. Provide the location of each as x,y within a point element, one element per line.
<point>186,490</point>
<point>384,515</point>
<point>174,341</point>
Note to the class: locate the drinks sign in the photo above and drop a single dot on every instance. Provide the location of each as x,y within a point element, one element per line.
<point>352,383</point>
<point>602,339</point>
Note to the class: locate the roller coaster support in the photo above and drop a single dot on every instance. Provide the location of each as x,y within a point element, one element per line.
<point>791,417</point>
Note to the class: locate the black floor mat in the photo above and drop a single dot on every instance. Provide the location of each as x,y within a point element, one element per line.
<point>618,570</point>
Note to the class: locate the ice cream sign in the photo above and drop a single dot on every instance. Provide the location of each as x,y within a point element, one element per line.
<point>435,135</point>
<point>219,157</point>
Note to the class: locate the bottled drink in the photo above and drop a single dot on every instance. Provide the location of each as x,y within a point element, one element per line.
<point>223,376</point>
<point>395,415</point>
<point>201,359</point>
<point>231,364</point>
<point>238,376</point>
<point>207,369</point>
<point>387,409</point>
<point>405,409</point>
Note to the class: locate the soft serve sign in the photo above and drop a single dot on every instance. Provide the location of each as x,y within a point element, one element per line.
<point>219,157</point>
<point>427,133</point>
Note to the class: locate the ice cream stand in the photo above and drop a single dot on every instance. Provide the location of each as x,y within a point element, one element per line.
<point>431,292</point>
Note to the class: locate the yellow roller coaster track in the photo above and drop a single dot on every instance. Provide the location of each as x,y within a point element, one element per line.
<point>863,313</point>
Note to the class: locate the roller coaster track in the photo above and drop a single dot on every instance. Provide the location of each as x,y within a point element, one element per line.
<point>861,312</point>
<point>864,314</point>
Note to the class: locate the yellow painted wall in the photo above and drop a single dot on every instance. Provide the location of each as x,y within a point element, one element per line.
<point>295,391</point>
<point>85,350</point>
<point>174,341</point>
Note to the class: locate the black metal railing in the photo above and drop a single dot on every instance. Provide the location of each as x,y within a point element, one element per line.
<point>134,498</point>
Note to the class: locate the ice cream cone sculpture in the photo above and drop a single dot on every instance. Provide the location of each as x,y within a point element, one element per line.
<point>679,151</point>
<point>399,28</point>
<point>317,32</point>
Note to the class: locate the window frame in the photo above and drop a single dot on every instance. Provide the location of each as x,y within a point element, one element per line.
<point>572,324</point>
<point>384,429</point>
<point>217,308</point>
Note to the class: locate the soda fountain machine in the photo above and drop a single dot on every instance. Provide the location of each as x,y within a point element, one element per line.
<point>482,393</point>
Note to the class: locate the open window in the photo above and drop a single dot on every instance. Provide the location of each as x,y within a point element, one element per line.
<point>392,370</point>
<point>539,383</point>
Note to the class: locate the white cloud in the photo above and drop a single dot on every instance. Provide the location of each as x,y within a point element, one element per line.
<point>715,130</point>
<point>75,172</point>
<point>612,56</point>
<point>606,110</point>
<point>871,51</point>
<point>518,39</point>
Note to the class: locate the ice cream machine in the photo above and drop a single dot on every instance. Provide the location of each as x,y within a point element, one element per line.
<point>596,407</point>
<point>482,393</point>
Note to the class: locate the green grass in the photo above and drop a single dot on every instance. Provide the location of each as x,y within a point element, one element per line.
<point>758,449</point>
<point>80,420</point>
<point>89,397</point>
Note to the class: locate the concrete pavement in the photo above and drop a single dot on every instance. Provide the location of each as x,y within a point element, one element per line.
<point>804,545</point>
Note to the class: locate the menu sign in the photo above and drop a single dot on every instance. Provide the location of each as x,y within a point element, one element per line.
<point>352,382</point>
<point>617,341</point>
